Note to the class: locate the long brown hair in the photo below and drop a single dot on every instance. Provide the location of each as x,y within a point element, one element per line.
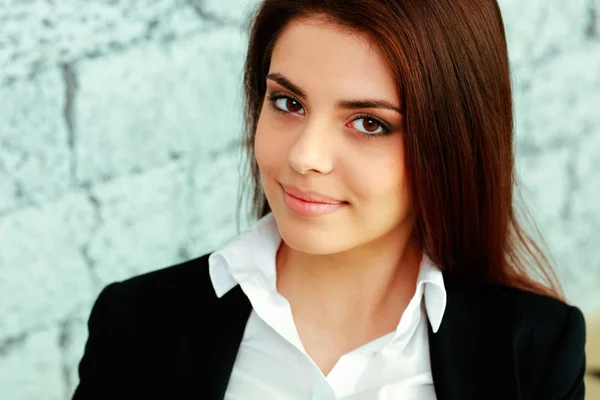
<point>450,63</point>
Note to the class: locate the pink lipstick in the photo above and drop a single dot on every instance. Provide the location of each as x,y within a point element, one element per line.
<point>309,203</point>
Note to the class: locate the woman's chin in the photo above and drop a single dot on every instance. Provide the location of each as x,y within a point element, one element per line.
<point>312,239</point>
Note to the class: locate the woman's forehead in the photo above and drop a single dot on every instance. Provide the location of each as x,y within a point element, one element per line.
<point>323,58</point>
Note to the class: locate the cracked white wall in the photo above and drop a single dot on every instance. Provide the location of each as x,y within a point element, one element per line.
<point>118,127</point>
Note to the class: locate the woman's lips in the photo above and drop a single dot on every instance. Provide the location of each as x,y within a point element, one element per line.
<point>310,203</point>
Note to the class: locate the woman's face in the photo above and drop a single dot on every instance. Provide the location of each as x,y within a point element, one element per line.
<point>330,125</point>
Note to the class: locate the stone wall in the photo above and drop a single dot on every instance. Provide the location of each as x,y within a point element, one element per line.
<point>119,130</point>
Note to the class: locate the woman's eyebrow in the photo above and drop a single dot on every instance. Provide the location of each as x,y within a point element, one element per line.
<point>348,104</point>
<point>355,104</point>
<point>286,83</point>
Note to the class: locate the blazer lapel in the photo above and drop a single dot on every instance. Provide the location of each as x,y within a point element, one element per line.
<point>468,352</point>
<point>230,314</point>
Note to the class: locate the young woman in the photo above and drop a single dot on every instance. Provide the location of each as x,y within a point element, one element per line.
<point>387,261</point>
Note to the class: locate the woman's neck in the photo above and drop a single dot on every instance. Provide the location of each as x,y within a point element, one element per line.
<point>353,288</point>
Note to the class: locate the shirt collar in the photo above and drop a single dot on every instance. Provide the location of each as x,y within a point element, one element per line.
<point>431,280</point>
<point>250,253</point>
<point>253,253</point>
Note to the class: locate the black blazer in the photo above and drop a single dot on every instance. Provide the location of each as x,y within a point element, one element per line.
<point>166,335</point>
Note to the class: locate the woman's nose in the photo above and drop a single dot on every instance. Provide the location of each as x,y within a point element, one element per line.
<point>314,149</point>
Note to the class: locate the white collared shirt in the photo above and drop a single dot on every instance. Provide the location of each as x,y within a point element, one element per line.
<point>271,362</point>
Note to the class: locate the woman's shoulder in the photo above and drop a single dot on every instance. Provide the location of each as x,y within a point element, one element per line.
<point>523,306</point>
<point>541,312</point>
<point>548,338</point>
<point>544,331</point>
<point>539,338</point>
<point>173,278</point>
<point>136,325</point>
<point>167,290</point>
<point>522,315</point>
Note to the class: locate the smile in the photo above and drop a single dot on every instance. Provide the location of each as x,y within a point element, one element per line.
<point>308,203</point>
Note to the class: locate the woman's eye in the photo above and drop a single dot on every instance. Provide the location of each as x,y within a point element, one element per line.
<point>365,124</point>
<point>288,104</point>
<point>369,126</point>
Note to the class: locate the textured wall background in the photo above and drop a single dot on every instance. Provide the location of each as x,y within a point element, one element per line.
<point>119,129</point>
